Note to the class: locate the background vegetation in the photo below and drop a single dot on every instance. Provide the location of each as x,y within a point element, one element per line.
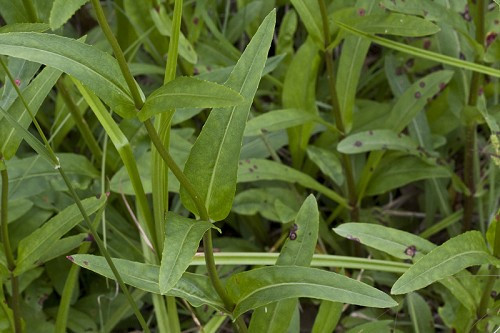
<point>235,156</point>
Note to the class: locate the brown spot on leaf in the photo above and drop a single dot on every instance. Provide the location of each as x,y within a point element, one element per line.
<point>421,84</point>
<point>358,143</point>
<point>418,95</point>
<point>411,251</point>
<point>361,12</point>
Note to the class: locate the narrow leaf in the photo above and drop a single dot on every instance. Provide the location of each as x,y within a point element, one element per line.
<point>420,314</point>
<point>213,162</point>
<point>182,239</point>
<point>377,140</point>
<point>252,170</point>
<point>94,68</point>
<point>262,286</point>
<point>196,289</point>
<point>39,242</point>
<point>328,163</point>
<point>397,243</point>
<point>189,92</point>
<point>277,120</point>
<point>62,10</point>
<point>462,251</point>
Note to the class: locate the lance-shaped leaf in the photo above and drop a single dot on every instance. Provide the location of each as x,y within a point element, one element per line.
<point>194,288</point>
<point>277,120</point>
<point>34,94</point>
<point>252,170</point>
<point>377,140</point>
<point>462,251</point>
<point>310,14</point>
<point>397,243</point>
<point>39,242</point>
<point>262,286</point>
<point>420,314</point>
<point>213,162</point>
<point>189,92</point>
<point>94,68</point>
<point>22,71</point>
<point>182,239</point>
<point>62,10</point>
<point>298,250</point>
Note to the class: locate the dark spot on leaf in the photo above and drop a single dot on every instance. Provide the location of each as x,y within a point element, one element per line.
<point>461,56</point>
<point>293,235</point>
<point>427,44</point>
<point>240,163</point>
<point>442,85</point>
<point>480,91</point>
<point>196,20</point>
<point>86,263</point>
<point>466,14</point>
<point>196,71</point>
<point>370,132</point>
<point>411,251</point>
<point>410,62</point>
<point>399,71</point>
<point>371,169</point>
<point>209,68</point>
<point>496,21</point>
<point>490,38</point>
<point>17,82</point>
<point>493,294</point>
<point>421,84</point>
<point>255,167</point>
<point>250,169</point>
<point>70,258</point>
<point>361,12</point>
<point>89,238</point>
<point>356,239</point>
<point>358,144</point>
<point>418,95</point>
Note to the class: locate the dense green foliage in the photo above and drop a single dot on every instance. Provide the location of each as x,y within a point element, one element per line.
<point>249,166</point>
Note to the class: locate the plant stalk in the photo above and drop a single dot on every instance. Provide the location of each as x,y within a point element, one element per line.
<point>470,133</point>
<point>346,159</point>
<point>8,249</point>
<point>207,239</point>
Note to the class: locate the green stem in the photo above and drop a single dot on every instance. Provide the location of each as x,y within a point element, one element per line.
<point>57,166</point>
<point>120,57</point>
<point>8,249</point>
<point>482,310</point>
<point>29,6</point>
<point>80,122</point>
<point>351,186</point>
<point>470,133</point>
<point>104,252</point>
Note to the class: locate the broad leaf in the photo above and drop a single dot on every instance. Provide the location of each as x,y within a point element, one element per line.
<point>252,170</point>
<point>39,242</point>
<point>182,239</point>
<point>189,92</point>
<point>262,286</point>
<point>196,289</point>
<point>397,243</point>
<point>34,94</point>
<point>462,251</point>
<point>298,250</point>
<point>94,68</point>
<point>213,163</point>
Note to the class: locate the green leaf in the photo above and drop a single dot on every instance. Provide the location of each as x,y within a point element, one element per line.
<point>164,25</point>
<point>397,243</point>
<point>415,98</point>
<point>39,242</point>
<point>310,15</point>
<point>402,171</point>
<point>94,68</point>
<point>420,314</point>
<point>196,289</point>
<point>277,120</point>
<point>276,317</point>
<point>62,10</point>
<point>24,27</point>
<point>377,140</point>
<point>189,92</point>
<point>391,24</point>
<point>21,70</point>
<point>262,286</point>
<point>252,170</point>
<point>34,94</point>
<point>462,251</point>
<point>182,239</point>
<point>415,51</point>
<point>213,162</point>
<point>327,317</point>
